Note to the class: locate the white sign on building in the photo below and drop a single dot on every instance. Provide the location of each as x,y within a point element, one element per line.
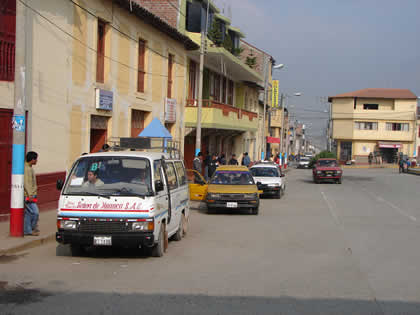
<point>170,110</point>
<point>104,99</point>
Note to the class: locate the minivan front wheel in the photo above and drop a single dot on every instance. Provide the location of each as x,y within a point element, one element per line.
<point>159,249</point>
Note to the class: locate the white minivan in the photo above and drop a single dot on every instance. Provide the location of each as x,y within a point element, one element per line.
<point>123,198</point>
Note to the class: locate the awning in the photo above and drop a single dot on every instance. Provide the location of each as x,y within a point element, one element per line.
<point>273,140</point>
<point>155,130</point>
<point>389,145</point>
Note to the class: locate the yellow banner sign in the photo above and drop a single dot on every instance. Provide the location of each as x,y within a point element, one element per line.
<point>275,94</point>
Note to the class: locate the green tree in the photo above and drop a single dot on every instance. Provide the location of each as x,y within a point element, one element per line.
<point>251,60</point>
<point>321,155</point>
<point>227,43</point>
<point>215,33</point>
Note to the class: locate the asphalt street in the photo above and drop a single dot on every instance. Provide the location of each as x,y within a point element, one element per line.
<point>321,249</point>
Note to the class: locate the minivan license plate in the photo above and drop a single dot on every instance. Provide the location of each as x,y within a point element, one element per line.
<point>232,204</point>
<point>102,240</point>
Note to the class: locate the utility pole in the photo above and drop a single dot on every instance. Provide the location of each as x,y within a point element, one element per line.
<point>263,139</point>
<point>18,125</point>
<point>200,82</point>
<point>282,127</point>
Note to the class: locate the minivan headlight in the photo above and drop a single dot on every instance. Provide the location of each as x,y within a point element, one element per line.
<point>68,225</point>
<point>142,226</point>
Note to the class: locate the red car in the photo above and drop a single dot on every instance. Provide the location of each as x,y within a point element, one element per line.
<point>327,169</point>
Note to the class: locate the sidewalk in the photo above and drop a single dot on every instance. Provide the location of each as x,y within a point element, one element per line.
<point>371,166</point>
<point>47,226</point>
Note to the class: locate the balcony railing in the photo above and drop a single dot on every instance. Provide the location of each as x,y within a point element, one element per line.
<point>226,108</point>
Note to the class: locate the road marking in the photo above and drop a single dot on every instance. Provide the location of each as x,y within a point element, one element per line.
<point>401,211</point>
<point>331,209</point>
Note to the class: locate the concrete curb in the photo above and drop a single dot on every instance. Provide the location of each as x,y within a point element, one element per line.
<point>27,245</point>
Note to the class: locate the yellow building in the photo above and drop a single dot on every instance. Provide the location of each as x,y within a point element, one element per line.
<point>377,121</point>
<point>94,70</point>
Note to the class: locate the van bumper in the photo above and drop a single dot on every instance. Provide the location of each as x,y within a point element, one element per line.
<point>118,239</point>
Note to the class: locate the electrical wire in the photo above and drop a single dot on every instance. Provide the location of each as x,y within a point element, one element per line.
<point>93,49</point>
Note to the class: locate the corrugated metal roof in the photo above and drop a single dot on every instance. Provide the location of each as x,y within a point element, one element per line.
<point>378,93</point>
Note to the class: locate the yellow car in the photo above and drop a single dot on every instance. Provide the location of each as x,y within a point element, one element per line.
<point>197,184</point>
<point>232,187</point>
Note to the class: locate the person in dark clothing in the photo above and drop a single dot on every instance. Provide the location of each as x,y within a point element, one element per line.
<point>233,160</point>
<point>222,159</point>
<point>206,162</point>
<point>213,165</point>
<point>197,163</point>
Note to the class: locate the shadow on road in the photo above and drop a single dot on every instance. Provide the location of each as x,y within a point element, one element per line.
<point>15,301</point>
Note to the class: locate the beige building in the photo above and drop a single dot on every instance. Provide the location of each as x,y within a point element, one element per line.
<point>377,121</point>
<point>94,70</point>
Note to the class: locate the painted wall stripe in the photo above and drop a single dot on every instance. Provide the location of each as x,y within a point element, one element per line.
<point>18,164</point>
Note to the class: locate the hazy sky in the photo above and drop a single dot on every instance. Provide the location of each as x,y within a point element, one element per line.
<point>333,46</point>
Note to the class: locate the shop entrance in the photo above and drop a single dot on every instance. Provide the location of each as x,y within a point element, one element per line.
<point>389,155</point>
<point>98,132</point>
<point>345,150</point>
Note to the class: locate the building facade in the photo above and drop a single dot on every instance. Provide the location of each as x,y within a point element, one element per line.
<point>94,70</point>
<point>377,121</point>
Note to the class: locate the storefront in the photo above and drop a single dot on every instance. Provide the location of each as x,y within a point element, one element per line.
<point>389,151</point>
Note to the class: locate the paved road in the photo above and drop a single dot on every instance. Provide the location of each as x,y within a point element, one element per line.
<point>321,249</point>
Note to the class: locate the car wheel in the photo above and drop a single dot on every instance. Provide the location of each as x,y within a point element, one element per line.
<point>159,249</point>
<point>279,194</point>
<point>255,211</point>
<point>180,232</point>
<point>339,181</point>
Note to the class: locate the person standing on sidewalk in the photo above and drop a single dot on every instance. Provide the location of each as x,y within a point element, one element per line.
<point>30,188</point>
<point>197,163</point>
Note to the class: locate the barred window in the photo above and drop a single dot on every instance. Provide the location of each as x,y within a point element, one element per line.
<point>366,125</point>
<point>397,127</point>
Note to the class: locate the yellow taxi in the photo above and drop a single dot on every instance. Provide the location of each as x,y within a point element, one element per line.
<point>232,187</point>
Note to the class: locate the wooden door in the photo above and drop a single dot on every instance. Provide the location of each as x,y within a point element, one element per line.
<point>6,140</point>
<point>97,139</point>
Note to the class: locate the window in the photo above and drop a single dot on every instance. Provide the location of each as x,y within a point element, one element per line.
<point>224,86</point>
<point>170,69</point>
<point>156,170</point>
<point>100,52</point>
<point>7,40</point>
<point>192,80</point>
<point>397,127</point>
<point>217,87</point>
<point>141,66</point>
<point>170,173</point>
<point>365,125</point>
<point>182,179</point>
<point>230,92</point>
<point>371,106</point>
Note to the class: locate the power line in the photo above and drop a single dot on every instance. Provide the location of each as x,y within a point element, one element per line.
<point>90,48</point>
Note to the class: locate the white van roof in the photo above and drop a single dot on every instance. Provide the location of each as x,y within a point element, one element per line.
<point>141,154</point>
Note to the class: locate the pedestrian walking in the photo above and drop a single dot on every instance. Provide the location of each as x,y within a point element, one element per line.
<point>30,191</point>
<point>213,165</point>
<point>246,160</point>
<point>370,158</point>
<point>233,160</point>
<point>197,163</point>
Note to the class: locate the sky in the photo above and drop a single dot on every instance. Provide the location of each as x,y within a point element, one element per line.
<point>333,46</point>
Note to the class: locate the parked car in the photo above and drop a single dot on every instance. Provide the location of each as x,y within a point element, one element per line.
<point>269,179</point>
<point>232,187</point>
<point>304,162</point>
<point>128,199</point>
<point>327,169</point>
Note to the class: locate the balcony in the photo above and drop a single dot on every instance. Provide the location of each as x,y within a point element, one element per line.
<point>216,115</point>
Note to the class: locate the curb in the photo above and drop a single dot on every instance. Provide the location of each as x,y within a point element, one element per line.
<point>27,245</point>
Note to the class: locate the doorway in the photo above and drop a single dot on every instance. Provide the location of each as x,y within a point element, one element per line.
<point>98,132</point>
<point>389,155</point>
<point>345,151</point>
<point>6,140</point>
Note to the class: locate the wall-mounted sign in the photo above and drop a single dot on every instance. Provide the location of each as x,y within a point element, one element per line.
<point>104,99</point>
<point>275,94</point>
<point>18,123</point>
<point>170,110</point>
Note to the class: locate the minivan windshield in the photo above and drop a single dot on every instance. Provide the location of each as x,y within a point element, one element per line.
<point>265,172</point>
<point>232,178</point>
<point>110,176</point>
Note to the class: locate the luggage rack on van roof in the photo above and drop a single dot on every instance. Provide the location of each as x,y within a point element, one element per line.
<point>147,144</point>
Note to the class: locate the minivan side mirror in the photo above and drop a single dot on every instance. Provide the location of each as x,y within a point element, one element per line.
<point>59,184</point>
<point>158,185</point>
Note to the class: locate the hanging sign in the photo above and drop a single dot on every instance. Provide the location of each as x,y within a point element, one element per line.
<point>275,94</point>
<point>18,123</point>
<point>170,110</point>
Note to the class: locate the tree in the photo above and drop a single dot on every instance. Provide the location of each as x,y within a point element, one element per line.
<point>227,43</point>
<point>251,60</point>
<point>215,33</point>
